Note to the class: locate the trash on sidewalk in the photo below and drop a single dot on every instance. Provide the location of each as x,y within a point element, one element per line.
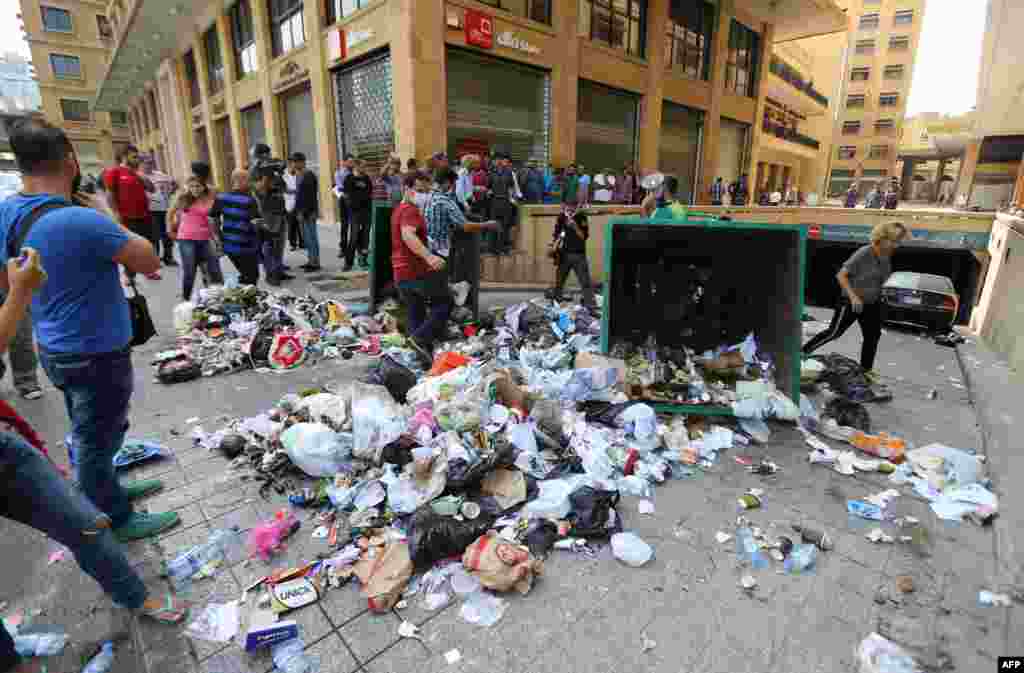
<point>203,560</point>
<point>483,608</point>
<point>103,661</point>
<point>864,510</point>
<point>408,630</point>
<point>39,641</point>
<point>452,657</point>
<point>819,539</point>
<point>878,536</point>
<point>876,654</point>
<point>631,550</point>
<point>991,599</point>
<point>290,656</point>
<point>500,565</point>
<point>217,623</point>
<point>268,537</point>
<point>135,451</point>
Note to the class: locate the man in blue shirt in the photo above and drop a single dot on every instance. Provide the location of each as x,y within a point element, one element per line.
<point>237,209</point>
<point>81,317</point>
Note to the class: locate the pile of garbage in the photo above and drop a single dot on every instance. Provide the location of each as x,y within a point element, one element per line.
<point>232,329</point>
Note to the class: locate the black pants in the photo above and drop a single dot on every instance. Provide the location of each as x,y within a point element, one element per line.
<point>160,223</point>
<point>870,320</point>
<point>344,218</point>
<point>294,231</point>
<point>248,266</point>
<point>577,263</point>
<point>504,212</point>
<point>358,234</point>
<point>144,227</point>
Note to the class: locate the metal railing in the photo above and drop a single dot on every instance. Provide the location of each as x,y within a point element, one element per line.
<point>780,131</point>
<point>793,76</point>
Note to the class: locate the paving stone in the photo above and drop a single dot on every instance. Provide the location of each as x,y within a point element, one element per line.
<point>370,634</point>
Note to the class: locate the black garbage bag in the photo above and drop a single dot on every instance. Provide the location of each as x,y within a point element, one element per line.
<point>849,413</point>
<point>394,376</point>
<point>433,537</point>
<point>399,452</point>
<point>605,412</point>
<point>593,512</point>
<point>541,535</point>
<point>847,378</point>
<point>179,370</point>
<point>463,476</point>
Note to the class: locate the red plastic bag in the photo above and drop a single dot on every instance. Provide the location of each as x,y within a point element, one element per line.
<point>286,352</point>
<point>447,361</point>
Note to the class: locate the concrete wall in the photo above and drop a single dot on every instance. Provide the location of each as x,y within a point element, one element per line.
<point>999,316</point>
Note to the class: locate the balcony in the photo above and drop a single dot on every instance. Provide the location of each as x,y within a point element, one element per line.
<point>788,134</point>
<point>787,85</point>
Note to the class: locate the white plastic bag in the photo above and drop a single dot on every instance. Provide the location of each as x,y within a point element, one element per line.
<point>631,550</point>
<point>325,405</point>
<point>876,654</point>
<point>377,420</point>
<point>641,422</point>
<point>553,500</point>
<point>317,450</point>
<point>183,317</point>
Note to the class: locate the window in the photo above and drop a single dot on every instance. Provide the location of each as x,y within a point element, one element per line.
<point>865,47</point>
<point>339,9</point>
<point>889,99</point>
<point>879,152</point>
<point>119,118</point>
<point>904,17</point>
<point>899,42</point>
<point>75,110</point>
<point>286,25</point>
<point>244,38</point>
<point>66,67</point>
<point>847,151</point>
<point>56,20</point>
<point>869,21</point>
<point>885,126</point>
<point>855,101</point>
<point>860,74</point>
<point>893,72</point>
<point>616,23</point>
<point>214,62</point>
<point>193,78</point>
<point>103,28</point>
<point>851,128</point>
<point>741,64</point>
<point>688,42</point>
<point>535,10</point>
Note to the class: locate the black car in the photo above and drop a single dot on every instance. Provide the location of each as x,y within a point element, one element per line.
<point>920,299</point>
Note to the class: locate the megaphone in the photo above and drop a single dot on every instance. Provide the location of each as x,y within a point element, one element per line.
<point>652,181</point>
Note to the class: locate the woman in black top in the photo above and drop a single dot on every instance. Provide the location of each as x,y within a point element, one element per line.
<point>569,249</point>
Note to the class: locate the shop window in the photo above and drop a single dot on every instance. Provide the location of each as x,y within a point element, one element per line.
<point>106,32</point>
<point>616,23</point>
<point>899,42</point>
<point>65,66</point>
<point>119,118</point>
<point>851,128</point>
<point>893,72</point>
<point>847,151</point>
<point>860,74</point>
<point>243,37</point>
<point>193,79</point>
<point>855,101</point>
<point>56,20</point>
<point>535,10</point>
<point>741,64</point>
<point>688,39</point>
<point>889,99</point>
<point>879,152</point>
<point>903,17</point>
<point>287,27</point>
<point>865,47</point>
<point>869,21</point>
<point>214,61</point>
<point>75,110</point>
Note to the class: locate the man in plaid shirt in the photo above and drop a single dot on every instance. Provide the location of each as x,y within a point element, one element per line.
<point>447,225</point>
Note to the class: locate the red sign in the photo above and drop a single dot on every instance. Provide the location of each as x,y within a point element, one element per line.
<point>814,231</point>
<point>479,29</point>
<point>336,45</point>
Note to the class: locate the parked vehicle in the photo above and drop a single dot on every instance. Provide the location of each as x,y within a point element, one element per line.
<point>920,299</point>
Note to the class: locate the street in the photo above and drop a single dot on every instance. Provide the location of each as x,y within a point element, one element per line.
<point>683,612</point>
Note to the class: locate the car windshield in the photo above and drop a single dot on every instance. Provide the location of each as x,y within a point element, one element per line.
<point>920,281</point>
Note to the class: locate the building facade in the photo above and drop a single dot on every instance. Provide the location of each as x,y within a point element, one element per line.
<point>931,145</point>
<point>670,85</point>
<point>70,41</point>
<point>882,41</point>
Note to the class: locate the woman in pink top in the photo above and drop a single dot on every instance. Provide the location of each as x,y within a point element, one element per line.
<point>189,221</point>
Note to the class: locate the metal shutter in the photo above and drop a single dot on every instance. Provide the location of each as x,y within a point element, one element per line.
<point>362,94</point>
<point>497,105</point>
<point>606,127</point>
<point>679,149</point>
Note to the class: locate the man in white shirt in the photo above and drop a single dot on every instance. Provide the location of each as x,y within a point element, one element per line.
<point>291,181</point>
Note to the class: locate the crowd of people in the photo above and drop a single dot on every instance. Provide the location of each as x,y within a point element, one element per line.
<point>889,199</point>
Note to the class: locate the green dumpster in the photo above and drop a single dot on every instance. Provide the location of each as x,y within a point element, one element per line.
<point>701,282</point>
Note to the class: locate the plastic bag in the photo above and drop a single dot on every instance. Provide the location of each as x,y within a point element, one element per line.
<point>183,319</point>
<point>413,489</point>
<point>377,420</point>
<point>286,352</point>
<point>266,538</point>
<point>591,384</point>
<point>607,413</point>
<point>848,413</point>
<point>384,574</point>
<point>501,565</point>
<point>507,487</point>
<point>593,512</point>
<point>631,550</point>
<point>553,500</point>
<point>394,376</point>
<point>448,361</point>
<point>317,450</point>
<point>433,538</point>
<point>876,654</point>
<point>326,408</point>
<point>641,422</point>
<point>483,609</point>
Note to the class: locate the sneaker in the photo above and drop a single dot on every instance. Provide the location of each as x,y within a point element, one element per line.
<point>142,525</point>
<point>140,489</point>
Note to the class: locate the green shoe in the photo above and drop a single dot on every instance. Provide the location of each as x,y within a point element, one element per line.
<point>145,525</point>
<point>140,489</point>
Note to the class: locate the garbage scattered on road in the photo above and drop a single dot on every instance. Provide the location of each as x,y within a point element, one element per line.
<point>103,661</point>
<point>217,623</point>
<point>865,510</point>
<point>408,630</point>
<point>876,654</point>
<point>722,537</point>
<point>988,598</point>
<point>748,582</point>
<point>819,539</point>
<point>631,550</point>
<point>878,536</point>
<point>452,657</point>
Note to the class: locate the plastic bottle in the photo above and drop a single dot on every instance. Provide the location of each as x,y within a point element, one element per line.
<point>290,657</point>
<point>865,510</point>
<point>819,539</point>
<point>44,642</point>
<point>747,549</point>
<point>220,546</point>
<point>801,558</point>
<point>102,662</point>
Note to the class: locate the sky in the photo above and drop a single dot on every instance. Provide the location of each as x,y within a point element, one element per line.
<point>945,73</point>
<point>948,58</point>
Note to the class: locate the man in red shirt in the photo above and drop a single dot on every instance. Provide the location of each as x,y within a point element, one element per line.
<point>421,276</point>
<point>129,198</point>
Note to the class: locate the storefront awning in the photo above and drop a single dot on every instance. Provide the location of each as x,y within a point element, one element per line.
<point>797,19</point>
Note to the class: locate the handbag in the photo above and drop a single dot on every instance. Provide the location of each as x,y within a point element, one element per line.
<point>143,328</point>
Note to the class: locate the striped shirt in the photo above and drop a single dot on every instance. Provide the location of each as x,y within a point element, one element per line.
<point>238,210</point>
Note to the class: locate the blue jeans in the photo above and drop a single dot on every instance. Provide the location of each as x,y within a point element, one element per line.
<point>310,237</point>
<point>36,495</point>
<point>97,392</point>
<point>426,325</point>
<point>194,253</point>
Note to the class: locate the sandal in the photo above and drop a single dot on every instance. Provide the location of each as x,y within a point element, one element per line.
<point>172,611</point>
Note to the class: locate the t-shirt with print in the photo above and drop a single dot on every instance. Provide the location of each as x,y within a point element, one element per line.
<point>81,308</point>
<point>868,273</point>
<point>127,192</point>
<point>163,190</point>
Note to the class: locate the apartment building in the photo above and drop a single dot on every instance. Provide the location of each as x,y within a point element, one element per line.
<point>71,42</point>
<point>674,85</point>
<point>882,41</point>
<point>931,145</point>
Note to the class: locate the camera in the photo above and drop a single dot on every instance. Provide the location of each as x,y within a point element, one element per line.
<point>264,165</point>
